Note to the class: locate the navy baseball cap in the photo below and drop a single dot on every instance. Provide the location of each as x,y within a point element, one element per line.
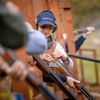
<point>46,17</point>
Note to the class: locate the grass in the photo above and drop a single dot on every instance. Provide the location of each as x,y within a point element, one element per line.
<point>92,42</point>
<point>89,71</point>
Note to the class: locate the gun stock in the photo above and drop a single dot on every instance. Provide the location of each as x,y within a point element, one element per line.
<point>79,87</point>
<point>10,57</point>
<point>80,31</point>
<point>84,30</point>
<point>47,70</point>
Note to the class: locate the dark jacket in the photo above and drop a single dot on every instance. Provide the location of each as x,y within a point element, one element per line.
<point>78,43</point>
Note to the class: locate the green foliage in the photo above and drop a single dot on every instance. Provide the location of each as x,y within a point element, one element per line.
<point>85,11</point>
<point>89,71</point>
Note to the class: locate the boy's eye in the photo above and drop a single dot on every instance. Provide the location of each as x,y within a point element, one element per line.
<point>47,27</point>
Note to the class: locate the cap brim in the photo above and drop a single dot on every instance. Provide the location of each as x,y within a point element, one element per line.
<point>46,22</point>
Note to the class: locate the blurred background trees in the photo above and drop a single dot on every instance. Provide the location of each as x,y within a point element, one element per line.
<point>85,12</point>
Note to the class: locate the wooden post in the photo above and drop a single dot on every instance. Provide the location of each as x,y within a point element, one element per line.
<point>68,28</point>
<point>53,6</point>
<point>67,24</point>
<point>38,6</point>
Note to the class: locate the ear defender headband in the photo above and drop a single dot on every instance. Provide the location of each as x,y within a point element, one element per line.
<point>46,17</point>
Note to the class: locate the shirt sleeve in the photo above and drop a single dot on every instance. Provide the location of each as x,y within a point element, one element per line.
<point>46,78</point>
<point>78,43</point>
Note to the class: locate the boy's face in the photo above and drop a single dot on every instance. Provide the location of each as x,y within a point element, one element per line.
<point>46,29</point>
